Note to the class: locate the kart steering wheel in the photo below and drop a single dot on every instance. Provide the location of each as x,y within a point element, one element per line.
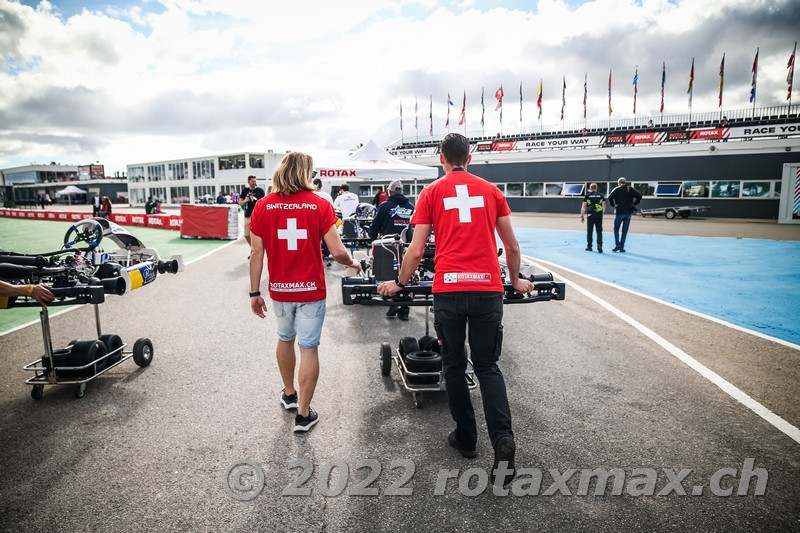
<point>88,231</point>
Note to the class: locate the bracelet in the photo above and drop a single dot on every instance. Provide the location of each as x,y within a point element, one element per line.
<point>397,282</point>
<point>30,290</point>
<point>254,294</point>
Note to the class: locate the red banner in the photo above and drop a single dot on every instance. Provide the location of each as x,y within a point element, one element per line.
<point>200,221</point>
<point>502,146</point>
<point>645,137</point>
<point>122,219</point>
<point>710,134</point>
<point>172,222</point>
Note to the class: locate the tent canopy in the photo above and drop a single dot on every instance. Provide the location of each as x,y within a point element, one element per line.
<point>373,163</point>
<point>70,190</point>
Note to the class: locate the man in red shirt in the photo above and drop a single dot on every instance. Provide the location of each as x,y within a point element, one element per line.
<point>465,211</point>
<point>288,225</point>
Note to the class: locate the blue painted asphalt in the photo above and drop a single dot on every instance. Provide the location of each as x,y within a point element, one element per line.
<point>752,283</point>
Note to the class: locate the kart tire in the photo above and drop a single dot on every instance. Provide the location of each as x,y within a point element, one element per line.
<point>60,358</point>
<point>143,352</point>
<point>408,345</point>
<point>423,361</point>
<point>84,353</point>
<point>112,342</point>
<point>669,213</point>
<point>386,359</point>
<point>685,214</point>
<point>429,343</point>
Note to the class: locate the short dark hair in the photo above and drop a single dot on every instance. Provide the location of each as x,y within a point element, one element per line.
<point>344,187</point>
<point>317,183</point>
<point>455,149</point>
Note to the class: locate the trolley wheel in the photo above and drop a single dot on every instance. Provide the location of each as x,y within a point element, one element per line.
<point>408,345</point>
<point>417,400</point>
<point>386,359</point>
<point>685,214</point>
<point>37,391</point>
<point>80,389</point>
<point>143,352</point>
<point>112,342</point>
<point>669,213</point>
<point>85,353</point>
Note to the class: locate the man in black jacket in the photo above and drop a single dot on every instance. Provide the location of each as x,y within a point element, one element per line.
<point>392,217</point>
<point>624,198</point>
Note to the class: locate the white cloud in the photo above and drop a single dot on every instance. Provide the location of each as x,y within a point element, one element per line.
<point>176,78</point>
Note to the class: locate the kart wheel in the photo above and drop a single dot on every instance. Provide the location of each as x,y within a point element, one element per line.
<point>424,361</point>
<point>37,391</point>
<point>386,359</point>
<point>429,343</point>
<point>112,343</point>
<point>85,353</point>
<point>669,213</point>
<point>685,214</point>
<point>143,352</point>
<point>408,345</point>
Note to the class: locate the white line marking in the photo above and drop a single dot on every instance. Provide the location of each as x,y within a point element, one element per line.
<point>764,336</point>
<point>727,387</point>
<point>72,308</point>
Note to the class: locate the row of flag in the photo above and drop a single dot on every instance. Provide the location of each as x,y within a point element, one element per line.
<point>500,94</point>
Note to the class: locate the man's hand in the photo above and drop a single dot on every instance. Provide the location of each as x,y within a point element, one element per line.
<point>522,286</point>
<point>42,294</point>
<point>258,306</point>
<point>581,219</point>
<point>355,264</point>
<point>388,288</point>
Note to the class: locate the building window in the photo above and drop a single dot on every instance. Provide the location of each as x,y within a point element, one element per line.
<point>534,189</point>
<point>778,189</point>
<point>203,170</point>
<point>137,196</point>
<point>755,189</point>
<point>178,171</point>
<point>229,162</point>
<point>725,189</point>
<point>179,195</point>
<point>204,193</point>
<point>696,189</point>
<point>645,188</point>
<point>515,189</point>
<point>573,189</point>
<point>136,174</point>
<point>668,189</point>
<point>553,189</point>
<point>256,161</point>
<point>158,193</point>
<point>156,173</point>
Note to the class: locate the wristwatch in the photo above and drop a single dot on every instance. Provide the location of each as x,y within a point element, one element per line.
<point>254,294</point>
<point>397,282</point>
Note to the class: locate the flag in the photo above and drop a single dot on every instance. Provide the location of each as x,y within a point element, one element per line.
<point>539,99</point>
<point>463,110</point>
<point>755,78</point>
<point>401,118</point>
<point>663,82</point>
<point>449,103</point>
<point>449,100</point>
<point>790,74</point>
<point>483,109</point>
<point>416,127</point>
<point>585,92</point>
<point>430,115</point>
<point>563,96</point>
<point>721,78</point>
<point>499,95</point>
<point>691,82</point>
<point>635,88</point>
<point>520,101</point>
<point>609,93</point>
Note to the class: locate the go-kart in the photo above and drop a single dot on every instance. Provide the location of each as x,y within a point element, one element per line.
<point>354,229</point>
<point>419,361</point>
<point>78,273</point>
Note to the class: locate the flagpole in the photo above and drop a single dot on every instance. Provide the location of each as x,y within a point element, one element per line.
<point>794,61</point>
<point>755,82</point>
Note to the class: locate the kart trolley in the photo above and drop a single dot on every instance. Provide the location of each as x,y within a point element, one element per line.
<point>419,361</point>
<point>83,276</point>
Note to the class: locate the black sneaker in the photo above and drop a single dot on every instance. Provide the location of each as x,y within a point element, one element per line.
<point>504,451</point>
<point>304,423</point>
<point>392,311</point>
<point>588,248</point>
<point>402,313</point>
<point>289,401</point>
<point>616,249</point>
<point>599,249</point>
<point>622,250</point>
<point>469,453</point>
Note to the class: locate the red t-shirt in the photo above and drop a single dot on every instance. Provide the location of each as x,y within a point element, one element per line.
<point>292,228</point>
<point>463,210</point>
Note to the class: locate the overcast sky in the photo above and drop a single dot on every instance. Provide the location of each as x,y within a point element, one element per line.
<point>84,81</point>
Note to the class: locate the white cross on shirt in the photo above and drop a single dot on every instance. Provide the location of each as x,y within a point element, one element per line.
<point>464,203</point>
<point>292,234</point>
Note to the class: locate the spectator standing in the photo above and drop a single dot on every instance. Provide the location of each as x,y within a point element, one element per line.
<point>624,199</point>
<point>96,205</point>
<point>220,198</point>
<point>287,226</point>
<point>148,207</point>
<point>247,200</point>
<point>380,197</point>
<point>594,203</point>
<point>346,202</point>
<point>465,210</point>
<point>326,254</point>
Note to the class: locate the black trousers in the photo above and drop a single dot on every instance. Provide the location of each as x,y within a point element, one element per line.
<point>594,221</point>
<point>483,313</point>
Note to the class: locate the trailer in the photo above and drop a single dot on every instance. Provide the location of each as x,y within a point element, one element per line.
<point>670,212</point>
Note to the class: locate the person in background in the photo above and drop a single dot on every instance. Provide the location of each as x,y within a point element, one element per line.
<point>346,202</point>
<point>227,197</point>
<point>287,227</point>
<point>105,207</point>
<point>220,198</point>
<point>465,211</point>
<point>157,208</point>
<point>592,207</point>
<point>380,197</point>
<point>326,254</point>
<point>96,205</point>
<point>247,200</point>
<point>624,200</point>
<point>393,216</point>
<point>148,207</point>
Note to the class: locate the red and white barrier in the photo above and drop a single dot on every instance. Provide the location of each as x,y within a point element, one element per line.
<point>172,222</point>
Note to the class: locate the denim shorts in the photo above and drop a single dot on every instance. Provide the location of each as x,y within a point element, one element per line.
<point>300,319</point>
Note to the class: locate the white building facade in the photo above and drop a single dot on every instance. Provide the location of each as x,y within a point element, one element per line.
<point>191,180</point>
